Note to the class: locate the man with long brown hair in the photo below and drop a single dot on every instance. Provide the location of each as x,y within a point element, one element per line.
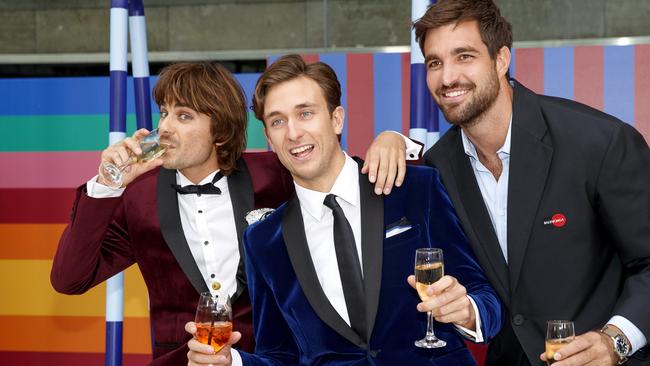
<point>554,195</point>
<point>180,217</point>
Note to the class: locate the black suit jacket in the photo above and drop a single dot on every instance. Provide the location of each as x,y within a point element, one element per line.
<point>569,159</point>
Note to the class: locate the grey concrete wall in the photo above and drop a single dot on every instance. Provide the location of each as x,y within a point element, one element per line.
<point>54,26</point>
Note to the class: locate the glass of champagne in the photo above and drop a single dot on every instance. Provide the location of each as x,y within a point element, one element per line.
<point>213,320</point>
<point>559,333</point>
<point>429,268</point>
<point>151,149</point>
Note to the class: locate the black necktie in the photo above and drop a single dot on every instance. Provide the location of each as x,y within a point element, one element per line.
<point>207,188</point>
<point>349,267</point>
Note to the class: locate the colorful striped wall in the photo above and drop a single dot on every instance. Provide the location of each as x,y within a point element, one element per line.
<point>52,130</point>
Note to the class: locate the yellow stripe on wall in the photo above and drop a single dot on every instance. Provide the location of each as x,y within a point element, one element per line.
<point>26,290</point>
<point>69,334</point>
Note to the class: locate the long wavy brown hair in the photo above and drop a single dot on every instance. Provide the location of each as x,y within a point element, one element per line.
<point>209,88</point>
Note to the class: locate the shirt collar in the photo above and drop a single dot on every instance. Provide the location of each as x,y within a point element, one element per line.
<point>470,149</point>
<point>184,181</point>
<point>345,187</point>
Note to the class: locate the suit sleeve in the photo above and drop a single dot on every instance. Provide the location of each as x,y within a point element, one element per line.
<point>623,205</point>
<point>274,343</point>
<point>93,247</point>
<point>460,262</point>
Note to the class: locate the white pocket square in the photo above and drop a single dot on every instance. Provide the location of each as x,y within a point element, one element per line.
<point>397,230</point>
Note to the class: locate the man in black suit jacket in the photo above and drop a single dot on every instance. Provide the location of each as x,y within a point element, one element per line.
<point>553,195</point>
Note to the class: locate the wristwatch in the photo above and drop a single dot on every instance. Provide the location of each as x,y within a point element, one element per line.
<point>621,344</point>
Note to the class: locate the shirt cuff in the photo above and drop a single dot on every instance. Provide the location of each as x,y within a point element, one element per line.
<point>97,190</point>
<point>633,334</point>
<point>474,336</point>
<point>236,358</point>
<point>412,148</point>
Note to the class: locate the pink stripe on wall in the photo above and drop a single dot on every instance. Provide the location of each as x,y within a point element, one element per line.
<point>47,169</point>
<point>406,93</point>
<point>311,58</point>
<point>588,76</point>
<point>360,117</point>
<point>642,90</point>
<point>529,68</point>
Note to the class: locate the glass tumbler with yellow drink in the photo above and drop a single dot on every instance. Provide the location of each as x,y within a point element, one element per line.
<point>559,333</point>
<point>213,320</point>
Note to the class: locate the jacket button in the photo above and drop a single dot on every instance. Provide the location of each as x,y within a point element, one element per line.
<point>518,319</point>
<point>373,353</point>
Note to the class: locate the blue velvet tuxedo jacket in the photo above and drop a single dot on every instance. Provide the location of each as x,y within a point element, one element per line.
<point>294,322</point>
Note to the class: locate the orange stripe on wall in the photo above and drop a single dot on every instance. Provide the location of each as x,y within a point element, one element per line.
<point>69,334</point>
<point>29,241</point>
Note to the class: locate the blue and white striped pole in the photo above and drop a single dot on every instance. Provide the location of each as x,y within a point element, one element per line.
<point>424,112</point>
<point>117,132</point>
<point>140,63</point>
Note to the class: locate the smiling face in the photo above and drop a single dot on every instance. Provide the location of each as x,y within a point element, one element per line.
<point>302,132</point>
<point>187,132</point>
<point>462,77</point>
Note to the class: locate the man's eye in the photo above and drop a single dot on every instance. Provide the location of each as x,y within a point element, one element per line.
<point>305,114</point>
<point>163,114</point>
<point>433,64</point>
<point>465,57</point>
<point>276,122</point>
<point>184,117</point>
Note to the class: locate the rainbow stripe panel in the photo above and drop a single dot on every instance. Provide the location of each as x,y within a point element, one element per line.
<point>53,130</point>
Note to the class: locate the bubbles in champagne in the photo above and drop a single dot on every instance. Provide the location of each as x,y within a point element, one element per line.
<point>426,274</point>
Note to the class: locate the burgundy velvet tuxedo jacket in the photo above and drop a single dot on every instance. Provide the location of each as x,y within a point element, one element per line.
<point>143,226</point>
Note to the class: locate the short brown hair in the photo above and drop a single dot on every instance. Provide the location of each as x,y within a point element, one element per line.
<point>289,67</point>
<point>209,88</point>
<point>495,30</point>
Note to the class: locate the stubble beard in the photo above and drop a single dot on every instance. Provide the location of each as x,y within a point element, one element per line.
<point>471,113</point>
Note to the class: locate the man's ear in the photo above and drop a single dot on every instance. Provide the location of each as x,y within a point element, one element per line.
<point>338,120</point>
<point>502,61</point>
<point>268,141</point>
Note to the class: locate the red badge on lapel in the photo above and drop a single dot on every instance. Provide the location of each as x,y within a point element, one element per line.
<point>557,220</point>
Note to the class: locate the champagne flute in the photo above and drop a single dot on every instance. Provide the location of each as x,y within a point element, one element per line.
<point>429,268</point>
<point>559,333</point>
<point>213,320</point>
<point>151,149</point>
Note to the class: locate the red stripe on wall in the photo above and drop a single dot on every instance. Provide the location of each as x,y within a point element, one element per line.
<point>406,93</point>
<point>642,90</point>
<point>36,206</point>
<point>66,359</point>
<point>310,59</point>
<point>529,68</point>
<point>51,169</point>
<point>360,119</point>
<point>588,75</point>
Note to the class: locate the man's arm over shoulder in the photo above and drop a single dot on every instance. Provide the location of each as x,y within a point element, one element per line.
<point>93,247</point>
<point>460,262</point>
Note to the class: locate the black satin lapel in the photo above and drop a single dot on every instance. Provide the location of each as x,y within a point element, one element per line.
<point>530,160</point>
<point>293,232</point>
<point>372,240</point>
<point>242,197</point>
<point>487,246</point>
<point>172,229</point>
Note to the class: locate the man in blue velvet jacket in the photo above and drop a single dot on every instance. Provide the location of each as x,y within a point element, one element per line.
<point>308,306</point>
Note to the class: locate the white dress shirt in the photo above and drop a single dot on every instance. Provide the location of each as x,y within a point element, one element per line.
<point>209,227</point>
<point>495,196</point>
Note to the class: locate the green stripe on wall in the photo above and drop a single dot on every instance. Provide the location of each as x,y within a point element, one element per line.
<point>80,132</point>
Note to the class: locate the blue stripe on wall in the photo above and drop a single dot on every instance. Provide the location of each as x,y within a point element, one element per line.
<point>513,53</point>
<point>443,125</point>
<point>83,95</point>
<point>247,82</point>
<point>387,92</point>
<point>338,62</point>
<point>619,82</point>
<point>558,72</point>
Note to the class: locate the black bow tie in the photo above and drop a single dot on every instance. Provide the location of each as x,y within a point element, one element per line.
<point>207,188</point>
